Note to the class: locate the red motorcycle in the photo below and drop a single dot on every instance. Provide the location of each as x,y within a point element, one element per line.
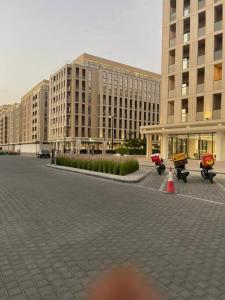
<point>159,164</point>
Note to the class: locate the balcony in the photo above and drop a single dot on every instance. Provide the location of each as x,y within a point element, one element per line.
<point>201,4</point>
<point>218,54</point>
<point>217,84</point>
<point>186,37</point>
<point>172,42</point>
<point>186,11</point>
<point>184,118</point>
<point>200,88</point>
<point>172,16</point>
<point>170,119</point>
<point>185,63</point>
<point>216,115</point>
<point>200,116</point>
<point>201,60</point>
<point>172,94</point>
<point>184,90</point>
<point>218,25</point>
<point>201,31</point>
<point>172,68</point>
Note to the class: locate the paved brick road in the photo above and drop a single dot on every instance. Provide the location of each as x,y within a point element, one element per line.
<point>59,230</point>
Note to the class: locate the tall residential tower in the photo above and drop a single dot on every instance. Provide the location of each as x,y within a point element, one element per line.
<point>192,116</point>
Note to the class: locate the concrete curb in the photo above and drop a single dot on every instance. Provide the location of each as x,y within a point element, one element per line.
<point>190,170</point>
<point>124,179</point>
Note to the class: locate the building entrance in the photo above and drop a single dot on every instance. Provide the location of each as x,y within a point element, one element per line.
<point>194,145</point>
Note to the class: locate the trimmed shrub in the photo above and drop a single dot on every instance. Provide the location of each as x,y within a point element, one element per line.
<point>9,153</point>
<point>115,165</point>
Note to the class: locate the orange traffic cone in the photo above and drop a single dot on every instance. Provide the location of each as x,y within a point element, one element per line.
<point>170,184</point>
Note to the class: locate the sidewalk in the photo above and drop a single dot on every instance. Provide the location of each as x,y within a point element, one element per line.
<point>193,165</point>
<point>131,178</point>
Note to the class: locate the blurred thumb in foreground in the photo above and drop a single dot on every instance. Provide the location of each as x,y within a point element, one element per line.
<point>122,284</point>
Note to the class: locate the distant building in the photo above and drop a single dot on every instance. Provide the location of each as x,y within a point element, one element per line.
<point>192,116</point>
<point>4,126</point>
<point>94,102</point>
<point>34,118</point>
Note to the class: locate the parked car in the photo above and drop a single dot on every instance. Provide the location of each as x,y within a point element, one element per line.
<point>44,154</point>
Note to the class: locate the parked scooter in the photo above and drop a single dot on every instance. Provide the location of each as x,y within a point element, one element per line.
<point>159,164</point>
<point>180,161</point>
<point>206,165</point>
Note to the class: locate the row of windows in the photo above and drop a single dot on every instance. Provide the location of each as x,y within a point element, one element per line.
<point>201,114</point>
<point>125,82</point>
<point>124,102</point>
<point>201,74</point>
<point>61,74</point>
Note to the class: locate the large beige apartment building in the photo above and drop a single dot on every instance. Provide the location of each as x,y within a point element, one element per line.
<point>34,118</point>
<point>9,126</point>
<point>24,126</point>
<point>192,116</point>
<point>100,102</point>
<point>4,125</point>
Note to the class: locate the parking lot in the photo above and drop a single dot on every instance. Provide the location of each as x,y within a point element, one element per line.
<point>196,187</point>
<point>60,230</point>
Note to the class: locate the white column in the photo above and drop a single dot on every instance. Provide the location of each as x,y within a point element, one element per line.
<point>72,147</point>
<point>78,143</point>
<point>164,146</point>
<point>148,145</point>
<point>104,147</point>
<point>220,146</point>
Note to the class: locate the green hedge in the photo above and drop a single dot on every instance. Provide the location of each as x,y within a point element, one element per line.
<point>130,151</point>
<point>117,166</point>
<point>8,153</point>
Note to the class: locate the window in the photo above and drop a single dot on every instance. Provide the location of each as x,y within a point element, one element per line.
<point>173,5</point>
<point>217,72</point>
<point>186,51</point>
<point>172,54</point>
<point>218,17</point>
<point>218,46</point>
<point>186,30</point>
<point>184,110</point>
<point>172,35</point>
<point>201,52</point>
<point>199,108</point>
<point>201,23</point>
<point>216,106</point>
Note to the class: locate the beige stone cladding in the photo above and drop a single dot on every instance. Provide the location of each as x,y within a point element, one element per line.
<point>14,125</point>
<point>104,94</point>
<point>34,117</point>
<point>4,125</point>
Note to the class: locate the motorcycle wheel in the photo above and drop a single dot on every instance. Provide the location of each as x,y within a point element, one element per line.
<point>163,168</point>
<point>211,178</point>
<point>184,179</point>
<point>159,171</point>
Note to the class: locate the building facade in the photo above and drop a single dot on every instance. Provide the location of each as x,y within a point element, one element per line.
<point>94,101</point>
<point>4,126</point>
<point>192,116</point>
<point>14,126</point>
<point>34,119</point>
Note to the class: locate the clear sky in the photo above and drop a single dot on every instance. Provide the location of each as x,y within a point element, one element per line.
<point>37,37</point>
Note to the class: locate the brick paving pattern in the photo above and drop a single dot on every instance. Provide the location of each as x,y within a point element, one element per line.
<point>59,230</point>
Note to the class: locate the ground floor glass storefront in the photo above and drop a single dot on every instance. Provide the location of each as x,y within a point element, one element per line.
<point>194,145</point>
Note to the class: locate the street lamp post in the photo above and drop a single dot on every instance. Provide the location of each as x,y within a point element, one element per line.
<point>112,127</point>
<point>64,138</point>
<point>36,143</point>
